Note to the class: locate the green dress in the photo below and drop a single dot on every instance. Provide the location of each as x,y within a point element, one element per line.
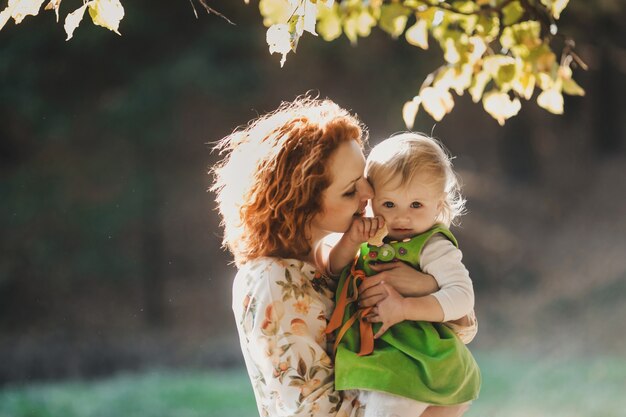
<point>420,360</point>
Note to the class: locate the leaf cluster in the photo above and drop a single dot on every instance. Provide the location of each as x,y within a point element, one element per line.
<point>105,13</point>
<point>499,51</point>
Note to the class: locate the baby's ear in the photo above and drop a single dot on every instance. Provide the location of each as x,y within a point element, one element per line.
<point>442,201</point>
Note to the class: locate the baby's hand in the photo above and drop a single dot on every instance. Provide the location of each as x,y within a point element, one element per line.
<point>364,228</point>
<point>388,311</point>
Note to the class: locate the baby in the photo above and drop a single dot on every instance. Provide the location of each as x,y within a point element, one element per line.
<point>415,364</point>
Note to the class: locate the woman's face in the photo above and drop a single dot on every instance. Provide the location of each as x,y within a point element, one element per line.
<point>347,195</point>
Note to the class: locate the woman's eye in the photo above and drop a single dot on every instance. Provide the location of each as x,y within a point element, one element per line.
<point>350,193</point>
<point>388,204</point>
<point>416,204</point>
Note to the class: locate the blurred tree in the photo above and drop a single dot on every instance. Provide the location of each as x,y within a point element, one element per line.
<point>99,214</point>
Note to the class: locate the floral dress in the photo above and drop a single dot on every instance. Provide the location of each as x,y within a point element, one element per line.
<point>281,307</point>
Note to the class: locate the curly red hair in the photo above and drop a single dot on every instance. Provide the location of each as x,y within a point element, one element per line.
<point>270,182</point>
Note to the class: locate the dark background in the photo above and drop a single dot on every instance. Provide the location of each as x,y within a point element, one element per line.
<point>110,252</point>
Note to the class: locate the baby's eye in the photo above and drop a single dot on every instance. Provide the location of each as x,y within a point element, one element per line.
<point>388,204</point>
<point>416,204</point>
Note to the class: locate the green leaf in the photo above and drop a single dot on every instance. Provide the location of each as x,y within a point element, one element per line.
<point>466,6</point>
<point>393,18</point>
<point>512,13</point>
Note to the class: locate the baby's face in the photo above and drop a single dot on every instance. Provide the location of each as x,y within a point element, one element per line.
<point>408,210</point>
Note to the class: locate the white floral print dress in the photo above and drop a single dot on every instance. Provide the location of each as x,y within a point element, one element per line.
<point>281,308</point>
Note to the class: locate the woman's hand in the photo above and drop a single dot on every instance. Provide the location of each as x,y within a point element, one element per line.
<point>402,277</point>
<point>389,311</point>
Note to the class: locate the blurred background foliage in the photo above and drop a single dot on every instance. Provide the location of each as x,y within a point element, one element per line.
<point>110,254</point>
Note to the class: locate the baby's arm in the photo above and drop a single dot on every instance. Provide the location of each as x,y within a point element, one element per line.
<point>441,259</point>
<point>343,253</point>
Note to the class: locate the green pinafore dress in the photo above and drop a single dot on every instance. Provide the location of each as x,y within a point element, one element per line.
<point>420,360</point>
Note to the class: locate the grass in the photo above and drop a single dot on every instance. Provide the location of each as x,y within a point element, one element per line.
<point>513,386</point>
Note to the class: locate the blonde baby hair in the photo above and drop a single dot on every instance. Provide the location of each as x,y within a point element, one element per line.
<point>409,154</point>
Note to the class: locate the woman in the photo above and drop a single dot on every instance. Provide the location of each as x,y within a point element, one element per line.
<point>288,180</point>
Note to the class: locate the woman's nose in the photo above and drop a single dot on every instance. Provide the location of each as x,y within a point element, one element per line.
<point>366,191</point>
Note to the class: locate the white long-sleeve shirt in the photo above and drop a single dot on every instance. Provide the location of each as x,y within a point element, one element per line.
<point>441,259</point>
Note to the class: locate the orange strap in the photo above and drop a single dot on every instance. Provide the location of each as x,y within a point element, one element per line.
<point>365,328</point>
<point>367,334</point>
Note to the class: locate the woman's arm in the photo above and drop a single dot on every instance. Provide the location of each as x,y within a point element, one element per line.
<point>281,322</point>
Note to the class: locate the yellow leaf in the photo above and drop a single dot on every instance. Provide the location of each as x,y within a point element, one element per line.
<point>275,11</point>
<point>417,35</point>
<point>279,40</point>
<point>106,13</point>
<point>451,54</point>
<point>572,88</point>
<point>19,9</point>
<point>437,102</point>
<point>492,63</point>
<point>5,15</point>
<point>557,7</point>
<point>458,78</point>
<point>551,100</point>
<point>409,111</point>
<point>54,5</point>
<point>478,87</point>
<point>350,26</point>
<point>524,85</point>
<point>329,24</point>
<point>502,68</point>
<point>544,81</point>
<point>305,15</point>
<point>365,22</point>
<point>478,48</point>
<point>72,20</point>
<point>500,106</point>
